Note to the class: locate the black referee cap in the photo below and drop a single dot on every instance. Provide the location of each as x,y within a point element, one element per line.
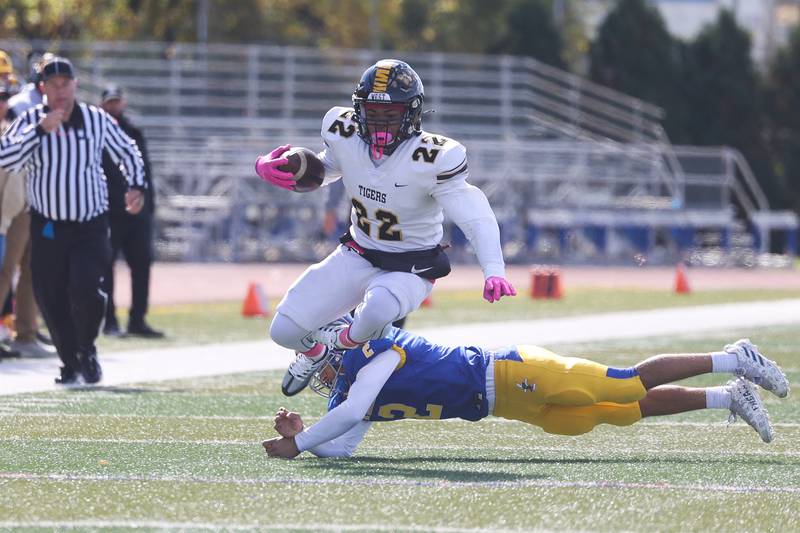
<point>57,66</point>
<point>111,92</point>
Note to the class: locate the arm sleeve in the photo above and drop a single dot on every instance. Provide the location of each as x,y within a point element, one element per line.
<point>467,206</point>
<point>123,150</point>
<point>18,143</point>
<point>344,445</point>
<point>340,420</point>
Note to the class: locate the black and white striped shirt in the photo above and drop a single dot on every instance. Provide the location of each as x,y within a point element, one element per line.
<point>65,167</point>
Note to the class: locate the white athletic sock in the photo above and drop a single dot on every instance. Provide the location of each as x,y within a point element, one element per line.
<point>718,398</point>
<point>724,362</point>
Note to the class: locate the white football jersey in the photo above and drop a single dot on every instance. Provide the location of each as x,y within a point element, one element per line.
<point>394,205</point>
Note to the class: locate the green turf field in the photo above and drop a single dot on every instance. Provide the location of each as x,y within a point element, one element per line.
<point>186,454</point>
<point>222,322</point>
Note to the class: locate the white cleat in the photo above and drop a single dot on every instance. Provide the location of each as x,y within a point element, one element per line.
<point>747,404</point>
<point>753,366</point>
<point>329,334</point>
<point>300,372</point>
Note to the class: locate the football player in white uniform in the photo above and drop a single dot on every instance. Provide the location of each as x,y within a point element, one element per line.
<point>402,181</point>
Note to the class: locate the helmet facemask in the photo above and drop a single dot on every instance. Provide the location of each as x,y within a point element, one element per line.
<point>324,380</point>
<point>382,125</point>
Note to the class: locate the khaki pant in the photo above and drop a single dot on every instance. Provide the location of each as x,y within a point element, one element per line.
<point>18,252</point>
<point>12,191</point>
<point>15,223</point>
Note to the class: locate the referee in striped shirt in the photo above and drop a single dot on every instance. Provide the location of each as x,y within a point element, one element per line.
<point>60,145</point>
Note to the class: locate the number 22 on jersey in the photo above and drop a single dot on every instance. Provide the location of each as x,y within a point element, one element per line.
<point>386,232</point>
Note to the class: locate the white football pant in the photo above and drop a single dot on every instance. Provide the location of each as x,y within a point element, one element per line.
<point>342,281</point>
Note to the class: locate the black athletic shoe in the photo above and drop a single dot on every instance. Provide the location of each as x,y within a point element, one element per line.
<point>112,330</point>
<point>41,337</point>
<point>90,368</point>
<point>68,377</point>
<point>143,330</point>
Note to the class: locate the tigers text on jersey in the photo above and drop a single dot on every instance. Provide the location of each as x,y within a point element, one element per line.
<point>431,381</point>
<point>394,205</point>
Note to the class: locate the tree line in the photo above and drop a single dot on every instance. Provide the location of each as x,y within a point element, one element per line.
<point>710,87</point>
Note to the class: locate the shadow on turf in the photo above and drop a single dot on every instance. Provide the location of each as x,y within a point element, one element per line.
<point>123,390</point>
<point>366,466</point>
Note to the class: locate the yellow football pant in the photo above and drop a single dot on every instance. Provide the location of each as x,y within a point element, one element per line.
<point>565,395</point>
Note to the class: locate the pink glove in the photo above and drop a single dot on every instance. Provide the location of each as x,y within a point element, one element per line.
<point>497,287</point>
<point>267,168</point>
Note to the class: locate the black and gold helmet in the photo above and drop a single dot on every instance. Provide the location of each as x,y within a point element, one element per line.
<point>390,82</point>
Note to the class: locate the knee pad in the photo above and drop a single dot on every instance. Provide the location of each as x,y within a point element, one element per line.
<point>287,333</point>
<point>375,314</point>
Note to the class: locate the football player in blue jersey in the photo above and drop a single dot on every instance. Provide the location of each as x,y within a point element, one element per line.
<point>405,376</point>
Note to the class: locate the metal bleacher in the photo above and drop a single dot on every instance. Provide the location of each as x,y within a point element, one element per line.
<point>574,171</point>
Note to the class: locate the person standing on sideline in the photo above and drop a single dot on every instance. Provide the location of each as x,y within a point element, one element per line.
<point>130,233</point>
<point>28,341</point>
<point>61,146</point>
<point>29,94</point>
<point>11,196</point>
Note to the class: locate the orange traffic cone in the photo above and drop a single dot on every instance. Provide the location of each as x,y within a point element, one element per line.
<point>681,280</point>
<point>546,283</point>
<point>554,284</point>
<point>537,285</point>
<point>255,303</point>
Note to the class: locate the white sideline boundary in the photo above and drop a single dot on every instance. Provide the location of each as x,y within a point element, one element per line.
<point>122,368</point>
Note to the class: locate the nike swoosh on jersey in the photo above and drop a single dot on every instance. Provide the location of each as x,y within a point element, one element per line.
<point>401,184</point>
<point>415,271</point>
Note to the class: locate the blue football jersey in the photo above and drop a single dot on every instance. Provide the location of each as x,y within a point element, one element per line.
<point>431,381</point>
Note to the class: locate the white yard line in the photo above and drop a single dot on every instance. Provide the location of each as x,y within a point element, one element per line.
<point>528,483</point>
<point>190,526</point>
<point>119,368</point>
<point>445,447</point>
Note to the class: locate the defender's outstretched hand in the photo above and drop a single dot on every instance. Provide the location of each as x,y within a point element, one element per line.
<point>497,287</point>
<point>288,424</point>
<point>267,168</point>
<point>281,447</point>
